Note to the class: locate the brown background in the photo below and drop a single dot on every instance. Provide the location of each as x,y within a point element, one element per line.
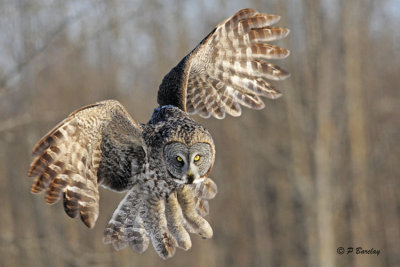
<point>315,170</point>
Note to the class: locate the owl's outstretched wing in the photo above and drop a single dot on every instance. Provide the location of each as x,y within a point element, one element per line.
<point>95,145</point>
<point>228,68</point>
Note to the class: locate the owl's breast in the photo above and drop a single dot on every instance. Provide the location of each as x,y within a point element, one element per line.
<point>156,181</point>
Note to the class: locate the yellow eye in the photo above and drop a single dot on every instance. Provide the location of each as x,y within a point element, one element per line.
<point>197,158</point>
<point>179,159</point>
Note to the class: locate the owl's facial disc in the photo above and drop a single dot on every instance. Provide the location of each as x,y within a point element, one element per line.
<point>188,165</point>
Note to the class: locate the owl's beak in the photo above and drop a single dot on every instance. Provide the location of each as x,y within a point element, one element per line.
<point>190,177</point>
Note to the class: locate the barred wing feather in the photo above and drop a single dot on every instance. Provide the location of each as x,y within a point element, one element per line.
<point>229,68</point>
<point>82,152</point>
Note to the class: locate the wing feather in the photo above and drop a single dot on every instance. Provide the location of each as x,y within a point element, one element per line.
<point>82,152</point>
<point>228,68</point>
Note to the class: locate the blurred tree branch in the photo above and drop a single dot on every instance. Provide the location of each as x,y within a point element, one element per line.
<point>49,39</point>
<point>26,118</point>
<point>12,123</point>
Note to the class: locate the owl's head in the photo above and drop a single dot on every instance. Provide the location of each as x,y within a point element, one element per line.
<point>188,164</point>
<point>187,147</point>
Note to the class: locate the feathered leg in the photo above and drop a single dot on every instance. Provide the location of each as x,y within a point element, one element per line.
<point>175,221</point>
<point>195,223</point>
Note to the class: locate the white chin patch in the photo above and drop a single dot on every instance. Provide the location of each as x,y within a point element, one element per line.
<point>199,180</point>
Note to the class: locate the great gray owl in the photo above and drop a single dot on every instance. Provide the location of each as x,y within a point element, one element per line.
<point>163,164</point>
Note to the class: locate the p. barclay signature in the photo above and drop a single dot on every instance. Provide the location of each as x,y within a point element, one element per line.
<point>358,251</point>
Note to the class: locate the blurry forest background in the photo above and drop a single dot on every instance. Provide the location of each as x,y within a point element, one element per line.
<point>313,171</point>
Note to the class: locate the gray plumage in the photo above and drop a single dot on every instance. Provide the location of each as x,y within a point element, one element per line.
<point>162,165</point>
